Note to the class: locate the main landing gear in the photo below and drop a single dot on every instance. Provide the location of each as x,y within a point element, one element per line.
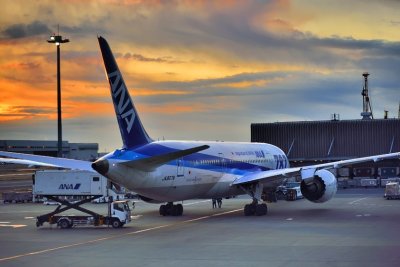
<point>255,209</point>
<point>255,191</point>
<point>171,210</point>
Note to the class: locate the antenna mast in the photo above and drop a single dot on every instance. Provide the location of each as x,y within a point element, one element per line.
<point>367,108</point>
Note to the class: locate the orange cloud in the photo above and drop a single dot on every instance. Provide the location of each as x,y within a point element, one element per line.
<point>177,108</point>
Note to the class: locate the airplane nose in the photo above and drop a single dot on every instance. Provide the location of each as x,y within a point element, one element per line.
<point>101,166</point>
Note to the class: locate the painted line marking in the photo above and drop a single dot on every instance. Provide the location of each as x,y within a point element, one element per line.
<point>355,201</point>
<point>12,225</point>
<point>363,215</point>
<point>193,203</point>
<point>117,236</point>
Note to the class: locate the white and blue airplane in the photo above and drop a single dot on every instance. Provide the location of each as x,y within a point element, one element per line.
<point>174,171</point>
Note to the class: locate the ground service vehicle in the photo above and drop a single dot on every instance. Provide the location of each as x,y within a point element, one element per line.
<point>65,187</point>
<point>74,182</point>
<point>17,197</point>
<point>118,215</point>
<point>392,190</point>
<point>289,191</point>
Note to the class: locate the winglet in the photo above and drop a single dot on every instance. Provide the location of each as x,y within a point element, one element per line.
<point>132,131</point>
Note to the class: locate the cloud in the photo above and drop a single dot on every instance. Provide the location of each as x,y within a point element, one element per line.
<point>17,31</point>
<point>19,112</point>
<point>142,58</point>
<point>195,64</point>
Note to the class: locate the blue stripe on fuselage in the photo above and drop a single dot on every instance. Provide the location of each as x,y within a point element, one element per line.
<point>196,160</point>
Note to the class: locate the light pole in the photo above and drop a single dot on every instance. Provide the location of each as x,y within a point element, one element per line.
<point>58,40</point>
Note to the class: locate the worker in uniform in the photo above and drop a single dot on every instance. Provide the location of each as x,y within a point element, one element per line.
<point>219,201</point>
<point>214,203</point>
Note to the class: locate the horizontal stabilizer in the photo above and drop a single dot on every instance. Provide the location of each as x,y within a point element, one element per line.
<point>151,163</point>
<point>36,160</point>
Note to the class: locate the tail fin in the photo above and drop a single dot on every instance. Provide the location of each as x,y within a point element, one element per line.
<point>132,132</point>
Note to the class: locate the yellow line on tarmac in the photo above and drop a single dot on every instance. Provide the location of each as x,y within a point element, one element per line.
<point>115,236</point>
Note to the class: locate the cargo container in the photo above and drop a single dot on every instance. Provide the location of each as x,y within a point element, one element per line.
<point>352,183</point>
<point>342,182</point>
<point>386,172</point>
<point>364,172</point>
<point>69,183</point>
<point>17,197</point>
<point>345,172</point>
<point>369,182</point>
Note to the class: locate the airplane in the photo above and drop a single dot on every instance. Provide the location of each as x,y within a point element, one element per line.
<point>165,172</point>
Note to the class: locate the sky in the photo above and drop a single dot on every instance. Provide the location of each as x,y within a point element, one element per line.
<point>196,70</point>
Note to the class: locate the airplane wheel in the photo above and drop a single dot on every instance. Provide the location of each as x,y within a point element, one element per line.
<point>173,211</point>
<point>261,209</point>
<point>176,210</point>
<point>249,210</point>
<point>163,210</point>
<point>180,209</point>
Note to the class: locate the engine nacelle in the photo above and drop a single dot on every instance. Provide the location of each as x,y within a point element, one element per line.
<point>321,188</point>
<point>150,200</point>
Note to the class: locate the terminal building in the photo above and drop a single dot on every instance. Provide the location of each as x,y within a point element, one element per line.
<point>80,151</point>
<point>313,142</point>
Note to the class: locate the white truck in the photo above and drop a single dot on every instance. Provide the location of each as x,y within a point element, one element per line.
<point>392,190</point>
<point>118,215</point>
<point>65,186</point>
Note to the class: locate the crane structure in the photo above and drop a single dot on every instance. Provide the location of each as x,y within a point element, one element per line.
<point>367,108</point>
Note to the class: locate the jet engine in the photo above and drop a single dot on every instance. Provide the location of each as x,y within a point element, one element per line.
<point>320,188</point>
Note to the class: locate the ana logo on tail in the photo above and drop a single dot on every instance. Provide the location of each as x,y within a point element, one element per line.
<point>122,98</point>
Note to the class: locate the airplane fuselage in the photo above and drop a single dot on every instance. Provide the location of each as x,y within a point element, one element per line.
<point>206,174</point>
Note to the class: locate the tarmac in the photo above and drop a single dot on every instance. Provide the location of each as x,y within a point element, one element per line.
<point>356,228</point>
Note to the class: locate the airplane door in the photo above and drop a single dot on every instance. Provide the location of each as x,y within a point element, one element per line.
<point>180,167</point>
<point>96,185</point>
<point>222,162</point>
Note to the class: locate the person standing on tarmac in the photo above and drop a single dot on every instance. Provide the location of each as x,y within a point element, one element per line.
<point>219,200</point>
<point>214,203</point>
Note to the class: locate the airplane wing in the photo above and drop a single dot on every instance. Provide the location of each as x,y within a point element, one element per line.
<point>37,160</point>
<point>306,171</point>
<point>151,163</point>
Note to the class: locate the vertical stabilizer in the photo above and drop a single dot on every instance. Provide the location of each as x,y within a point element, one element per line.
<point>132,132</point>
